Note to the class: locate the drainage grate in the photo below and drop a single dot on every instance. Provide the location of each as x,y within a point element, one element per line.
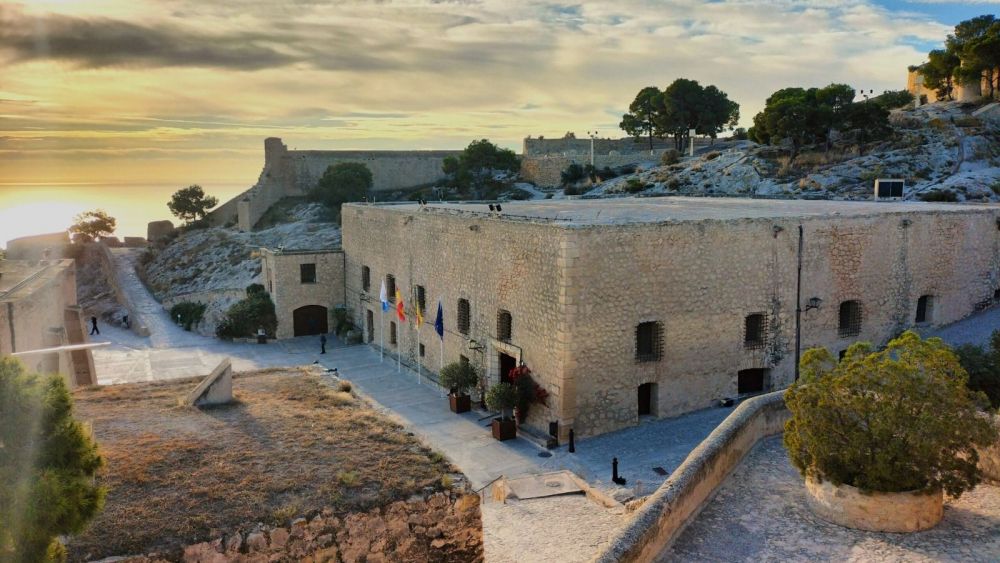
<point>544,454</point>
<point>659,471</point>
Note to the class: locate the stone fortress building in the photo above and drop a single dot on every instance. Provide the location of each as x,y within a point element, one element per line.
<point>38,310</point>
<point>295,172</point>
<point>306,286</point>
<point>543,160</point>
<point>628,308</point>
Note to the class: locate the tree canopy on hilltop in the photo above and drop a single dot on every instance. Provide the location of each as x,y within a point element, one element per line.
<point>191,204</point>
<point>682,106</point>
<point>342,183</point>
<point>91,225</point>
<point>970,54</point>
<point>477,163</point>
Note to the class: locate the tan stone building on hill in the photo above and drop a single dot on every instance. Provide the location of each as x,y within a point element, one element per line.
<point>306,286</point>
<point>626,308</point>
<point>38,310</point>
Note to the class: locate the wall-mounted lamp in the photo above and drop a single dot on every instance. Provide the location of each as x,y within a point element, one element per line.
<point>814,303</point>
<point>475,346</point>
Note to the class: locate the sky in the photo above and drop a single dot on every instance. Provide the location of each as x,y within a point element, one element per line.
<point>185,91</point>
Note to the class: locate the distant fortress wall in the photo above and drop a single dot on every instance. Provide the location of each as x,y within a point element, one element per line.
<point>544,160</point>
<point>295,173</point>
<point>961,91</point>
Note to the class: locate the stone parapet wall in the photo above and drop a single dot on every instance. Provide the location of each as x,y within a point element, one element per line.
<point>562,146</point>
<point>873,511</point>
<point>681,497</point>
<point>445,527</point>
<point>546,170</point>
<point>108,263</point>
<point>255,202</point>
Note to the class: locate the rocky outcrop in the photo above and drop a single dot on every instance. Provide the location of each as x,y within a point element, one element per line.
<point>444,526</point>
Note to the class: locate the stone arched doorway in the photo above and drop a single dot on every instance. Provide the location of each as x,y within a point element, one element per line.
<point>310,319</point>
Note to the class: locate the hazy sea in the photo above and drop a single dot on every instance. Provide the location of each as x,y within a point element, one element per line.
<point>30,209</point>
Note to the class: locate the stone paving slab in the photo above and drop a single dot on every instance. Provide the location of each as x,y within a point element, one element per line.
<point>760,514</point>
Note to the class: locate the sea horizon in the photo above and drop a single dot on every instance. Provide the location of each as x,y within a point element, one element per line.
<point>35,208</point>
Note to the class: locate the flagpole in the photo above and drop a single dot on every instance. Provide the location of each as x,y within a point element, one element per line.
<point>416,330</point>
<point>381,334</point>
<point>399,352</point>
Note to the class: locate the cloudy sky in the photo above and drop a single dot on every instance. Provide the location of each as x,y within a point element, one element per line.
<point>186,90</point>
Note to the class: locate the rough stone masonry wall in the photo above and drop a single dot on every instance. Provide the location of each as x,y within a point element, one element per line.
<point>442,527</point>
<point>701,279</point>
<point>547,170</point>
<point>495,264</point>
<point>281,273</point>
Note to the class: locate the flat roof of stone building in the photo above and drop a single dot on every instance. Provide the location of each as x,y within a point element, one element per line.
<point>617,211</point>
<point>19,278</point>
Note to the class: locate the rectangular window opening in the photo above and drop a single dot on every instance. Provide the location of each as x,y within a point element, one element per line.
<point>504,325</point>
<point>755,331</point>
<point>307,273</point>
<point>463,316</point>
<point>648,342</point>
<point>366,278</point>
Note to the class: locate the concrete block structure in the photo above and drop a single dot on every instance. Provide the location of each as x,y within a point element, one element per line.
<point>628,308</point>
<point>306,286</point>
<point>38,310</point>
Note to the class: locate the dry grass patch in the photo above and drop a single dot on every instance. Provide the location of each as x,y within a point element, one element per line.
<point>288,447</point>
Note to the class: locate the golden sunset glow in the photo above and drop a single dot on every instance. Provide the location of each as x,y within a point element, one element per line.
<point>181,92</point>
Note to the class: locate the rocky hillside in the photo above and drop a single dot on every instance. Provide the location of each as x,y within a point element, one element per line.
<point>938,149</point>
<point>215,265</point>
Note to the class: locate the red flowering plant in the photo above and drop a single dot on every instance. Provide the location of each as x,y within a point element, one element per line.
<point>527,390</point>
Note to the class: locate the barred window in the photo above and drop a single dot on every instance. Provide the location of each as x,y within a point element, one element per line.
<point>307,273</point>
<point>423,351</point>
<point>366,278</point>
<point>755,330</point>
<point>850,318</point>
<point>420,297</point>
<point>504,322</point>
<point>648,342</point>
<point>390,287</point>
<point>463,316</point>
<point>392,332</point>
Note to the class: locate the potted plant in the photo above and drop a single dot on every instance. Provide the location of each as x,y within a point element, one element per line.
<point>459,378</point>
<point>880,436</point>
<point>502,397</point>
<point>528,392</point>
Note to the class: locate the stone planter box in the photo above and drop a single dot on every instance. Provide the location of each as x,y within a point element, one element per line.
<point>504,429</point>
<point>875,512</point>
<point>459,403</point>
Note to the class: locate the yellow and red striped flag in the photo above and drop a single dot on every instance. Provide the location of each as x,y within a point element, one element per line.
<point>399,307</point>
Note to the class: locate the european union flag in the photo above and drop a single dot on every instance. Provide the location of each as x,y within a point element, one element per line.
<point>439,321</point>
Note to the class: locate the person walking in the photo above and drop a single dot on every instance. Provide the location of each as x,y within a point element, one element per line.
<point>93,326</point>
<point>322,343</point>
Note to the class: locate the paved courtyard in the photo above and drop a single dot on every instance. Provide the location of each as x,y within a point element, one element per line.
<point>760,514</point>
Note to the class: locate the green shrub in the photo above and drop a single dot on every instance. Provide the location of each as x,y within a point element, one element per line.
<point>634,185</point>
<point>342,321</point>
<point>983,367</point>
<point>48,464</point>
<point>900,419</point>
<point>939,195</point>
<point>571,190</point>
<point>892,99</point>
<point>458,377</point>
<point>670,156</point>
<point>573,174</point>
<point>244,318</point>
<point>188,313</point>
<point>712,155</point>
<point>502,397</point>
<point>548,196</point>
<point>342,183</point>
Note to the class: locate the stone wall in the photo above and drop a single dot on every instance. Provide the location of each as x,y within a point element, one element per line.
<point>681,497</point>
<point>546,171</point>
<point>33,247</point>
<point>281,274</point>
<point>441,527</point>
<point>494,264</point>
<point>108,263</point>
<point>570,145</point>
<point>700,280</point>
<point>577,292</point>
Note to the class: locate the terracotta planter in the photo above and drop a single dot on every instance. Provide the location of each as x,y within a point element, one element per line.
<point>504,429</point>
<point>847,506</point>
<point>459,403</point>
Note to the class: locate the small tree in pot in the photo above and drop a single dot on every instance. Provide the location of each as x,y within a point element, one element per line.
<point>896,421</point>
<point>503,397</point>
<point>459,378</point>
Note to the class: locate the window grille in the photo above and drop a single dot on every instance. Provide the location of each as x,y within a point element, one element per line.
<point>463,316</point>
<point>390,287</point>
<point>648,342</point>
<point>307,273</point>
<point>755,331</point>
<point>850,318</point>
<point>366,278</point>
<point>504,322</point>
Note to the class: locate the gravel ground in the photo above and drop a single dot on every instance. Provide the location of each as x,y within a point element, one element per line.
<point>553,529</point>
<point>760,514</point>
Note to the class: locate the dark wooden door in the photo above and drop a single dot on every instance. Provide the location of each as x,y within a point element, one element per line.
<point>507,363</point>
<point>645,399</point>
<point>309,320</point>
<point>750,381</point>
